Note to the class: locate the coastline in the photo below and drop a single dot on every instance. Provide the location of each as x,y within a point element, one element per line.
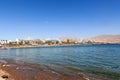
<point>28,46</point>
<point>17,71</point>
<point>34,46</point>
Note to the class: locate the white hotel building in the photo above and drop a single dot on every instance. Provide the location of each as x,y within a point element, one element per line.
<point>4,41</point>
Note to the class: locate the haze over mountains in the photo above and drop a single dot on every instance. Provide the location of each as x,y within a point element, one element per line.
<point>106,38</point>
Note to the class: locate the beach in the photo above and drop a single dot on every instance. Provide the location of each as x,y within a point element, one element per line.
<point>24,71</point>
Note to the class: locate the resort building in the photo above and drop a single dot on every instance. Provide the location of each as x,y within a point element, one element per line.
<point>3,41</point>
<point>68,40</point>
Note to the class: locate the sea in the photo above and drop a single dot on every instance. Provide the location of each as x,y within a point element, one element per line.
<point>98,59</point>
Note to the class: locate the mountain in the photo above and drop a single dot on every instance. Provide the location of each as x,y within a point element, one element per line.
<point>106,39</point>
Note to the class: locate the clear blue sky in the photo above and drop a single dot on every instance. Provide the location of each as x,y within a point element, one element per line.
<point>57,18</point>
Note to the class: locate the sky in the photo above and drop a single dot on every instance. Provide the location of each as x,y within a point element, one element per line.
<point>58,18</point>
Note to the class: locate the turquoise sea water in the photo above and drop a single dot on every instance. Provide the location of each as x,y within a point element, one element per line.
<point>99,59</point>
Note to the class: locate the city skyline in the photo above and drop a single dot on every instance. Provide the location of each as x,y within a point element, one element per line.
<point>58,18</point>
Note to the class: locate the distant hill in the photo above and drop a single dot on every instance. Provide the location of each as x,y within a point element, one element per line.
<point>106,39</point>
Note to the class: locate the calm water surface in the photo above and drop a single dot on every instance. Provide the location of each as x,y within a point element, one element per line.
<point>83,57</point>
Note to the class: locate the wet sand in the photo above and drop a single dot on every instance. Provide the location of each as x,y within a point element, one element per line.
<point>28,71</point>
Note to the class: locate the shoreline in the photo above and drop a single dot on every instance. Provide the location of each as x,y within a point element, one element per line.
<point>34,46</point>
<point>16,71</point>
<point>27,46</point>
